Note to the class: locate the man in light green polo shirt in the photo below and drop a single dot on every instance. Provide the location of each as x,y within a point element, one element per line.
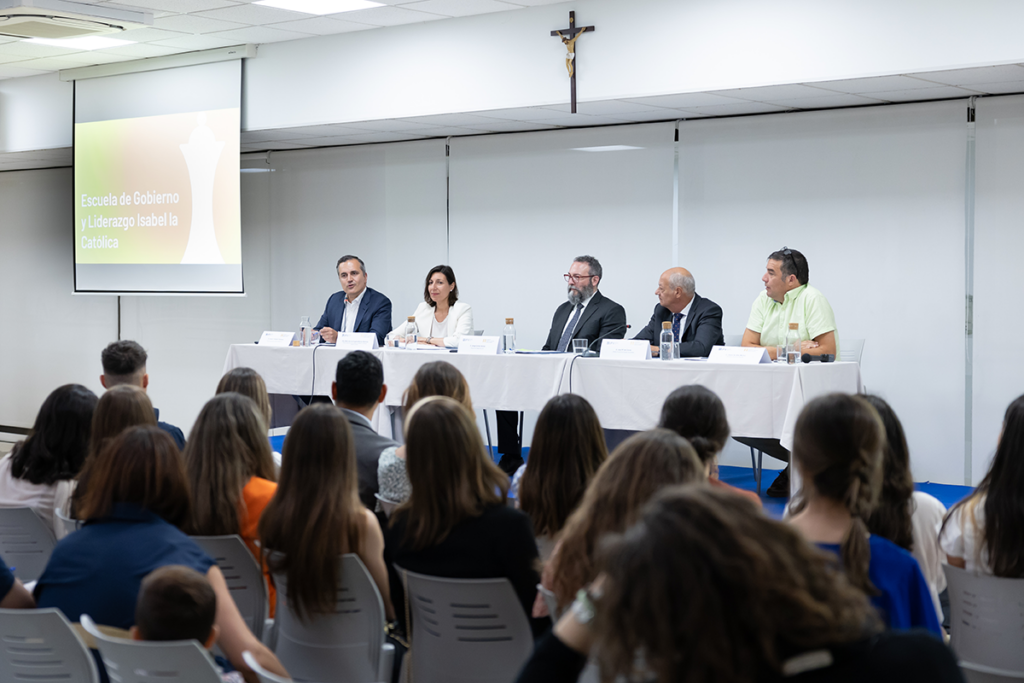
<point>787,298</point>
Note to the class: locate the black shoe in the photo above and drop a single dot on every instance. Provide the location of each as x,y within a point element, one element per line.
<point>779,487</point>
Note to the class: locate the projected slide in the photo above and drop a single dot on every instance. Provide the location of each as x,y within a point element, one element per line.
<point>157,202</point>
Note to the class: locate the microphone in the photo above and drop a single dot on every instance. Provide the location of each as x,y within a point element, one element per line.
<point>824,358</point>
<point>590,352</point>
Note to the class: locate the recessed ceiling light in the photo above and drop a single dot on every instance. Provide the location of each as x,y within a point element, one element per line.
<point>320,6</point>
<point>605,148</point>
<point>83,43</point>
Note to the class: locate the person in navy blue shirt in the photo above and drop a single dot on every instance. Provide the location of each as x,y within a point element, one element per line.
<point>134,508</point>
<point>356,308</point>
<point>15,595</point>
<point>124,362</point>
<point>837,448</point>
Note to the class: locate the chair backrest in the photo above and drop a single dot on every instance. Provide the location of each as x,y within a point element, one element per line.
<point>134,661</point>
<point>243,576</point>
<point>261,673</point>
<point>25,542</point>
<point>67,525</point>
<point>387,506</point>
<point>851,349</point>
<point>986,622</point>
<point>342,646</point>
<point>466,630</point>
<point>478,333</point>
<point>40,645</point>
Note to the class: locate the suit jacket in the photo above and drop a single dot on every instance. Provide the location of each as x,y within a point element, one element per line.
<point>374,314</point>
<point>369,445</point>
<point>702,328</point>
<point>460,322</point>
<point>602,316</point>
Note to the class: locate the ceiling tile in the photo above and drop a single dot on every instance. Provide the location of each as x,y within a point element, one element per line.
<point>326,141</point>
<point>738,109</point>
<point>536,3</point>
<point>254,15</point>
<point>251,136</point>
<point>208,42</point>
<point>382,137</point>
<point>613,108</point>
<point>180,6</point>
<point>517,114</point>
<point>933,93</point>
<point>825,102</point>
<point>390,125</point>
<point>984,74</point>
<point>257,34</point>
<point>195,24</point>
<point>278,144</point>
<point>150,35</point>
<point>387,16</point>
<point>141,50</point>
<point>460,8</point>
<point>1003,88</point>
<point>35,50</point>
<point>322,26</point>
<point>653,115</point>
<point>14,71</point>
<point>447,131</point>
<point>773,92</point>
<point>456,120</point>
<point>330,130</point>
<point>579,120</point>
<point>683,101</point>
<point>862,86</point>
<point>8,59</point>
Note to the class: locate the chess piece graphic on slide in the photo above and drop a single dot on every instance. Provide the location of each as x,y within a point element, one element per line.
<point>202,152</point>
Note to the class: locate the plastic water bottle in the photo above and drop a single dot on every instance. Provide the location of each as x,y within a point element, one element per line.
<point>305,328</point>
<point>793,344</point>
<point>508,336</point>
<point>412,332</point>
<point>668,345</point>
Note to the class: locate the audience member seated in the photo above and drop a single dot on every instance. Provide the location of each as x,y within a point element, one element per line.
<point>135,507</point>
<point>124,362</point>
<point>40,472</point>
<point>704,588</point>
<point>13,595</point>
<point>438,378</point>
<point>456,524</point>
<point>441,319</point>
<point>118,409</point>
<point>231,472</point>
<point>984,533</point>
<point>358,389</point>
<point>316,516</point>
<point>641,466</point>
<point>837,448</point>
<point>697,414</point>
<point>568,448</point>
<point>178,603</point>
<point>910,519</point>
<point>248,382</point>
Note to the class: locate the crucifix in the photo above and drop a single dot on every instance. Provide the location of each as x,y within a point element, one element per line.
<point>569,37</point>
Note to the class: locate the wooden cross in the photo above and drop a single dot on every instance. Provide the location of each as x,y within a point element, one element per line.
<point>569,37</point>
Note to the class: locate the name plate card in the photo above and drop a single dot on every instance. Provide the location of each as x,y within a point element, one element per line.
<point>479,346</point>
<point>739,355</point>
<point>626,349</point>
<point>357,341</point>
<point>269,338</point>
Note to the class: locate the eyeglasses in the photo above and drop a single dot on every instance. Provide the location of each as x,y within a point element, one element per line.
<point>576,278</point>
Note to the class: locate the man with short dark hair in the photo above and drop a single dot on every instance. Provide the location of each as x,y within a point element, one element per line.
<point>124,362</point>
<point>356,308</point>
<point>696,321</point>
<point>787,298</point>
<point>358,389</point>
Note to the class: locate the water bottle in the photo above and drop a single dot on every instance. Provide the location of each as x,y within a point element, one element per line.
<point>412,333</point>
<point>668,344</point>
<point>305,328</point>
<point>508,336</point>
<point>793,344</point>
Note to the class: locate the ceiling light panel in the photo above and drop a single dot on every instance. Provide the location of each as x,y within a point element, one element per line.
<point>320,6</point>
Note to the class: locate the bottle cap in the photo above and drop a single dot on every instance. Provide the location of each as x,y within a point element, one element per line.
<point>794,326</point>
<point>508,321</point>
<point>666,326</point>
<point>411,318</point>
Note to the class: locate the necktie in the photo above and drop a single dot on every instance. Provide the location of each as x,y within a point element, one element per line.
<point>676,319</point>
<point>567,334</point>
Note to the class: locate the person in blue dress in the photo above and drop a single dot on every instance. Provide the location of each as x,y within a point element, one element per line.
<point>837,448</point>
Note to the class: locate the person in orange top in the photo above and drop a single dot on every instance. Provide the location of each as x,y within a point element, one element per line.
<point>697,414</point>
<point>231,473</point>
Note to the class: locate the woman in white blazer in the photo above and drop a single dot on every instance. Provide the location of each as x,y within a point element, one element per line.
<point>441,319</point>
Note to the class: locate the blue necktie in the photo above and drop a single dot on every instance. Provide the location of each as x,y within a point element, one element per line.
<point>567,334</point>
<point>676,318</point>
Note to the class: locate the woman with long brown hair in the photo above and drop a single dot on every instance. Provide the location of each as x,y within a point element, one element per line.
<point>704,588</point>
<point>231,472</point>
<point>456,523</point>
<point>438,378</point>
<point>567,449</point>
<point>837,448</point>
<point>641,466</point>
<point>316,516</point>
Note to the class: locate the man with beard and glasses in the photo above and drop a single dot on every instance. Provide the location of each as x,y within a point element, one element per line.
<point>587,314</point>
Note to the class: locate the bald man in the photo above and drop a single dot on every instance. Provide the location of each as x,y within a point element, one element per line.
<point>696,321</point>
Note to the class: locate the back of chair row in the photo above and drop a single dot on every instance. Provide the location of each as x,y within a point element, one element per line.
<point>986,625</point>
<point>26,543</point>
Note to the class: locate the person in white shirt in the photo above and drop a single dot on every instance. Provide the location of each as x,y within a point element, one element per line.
<point>40,472</point>
<point>441,319</point>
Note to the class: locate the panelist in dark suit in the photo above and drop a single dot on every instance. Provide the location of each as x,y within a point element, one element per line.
<point>587,314</point>
<point>696,321</point>
<point>356,308</point>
